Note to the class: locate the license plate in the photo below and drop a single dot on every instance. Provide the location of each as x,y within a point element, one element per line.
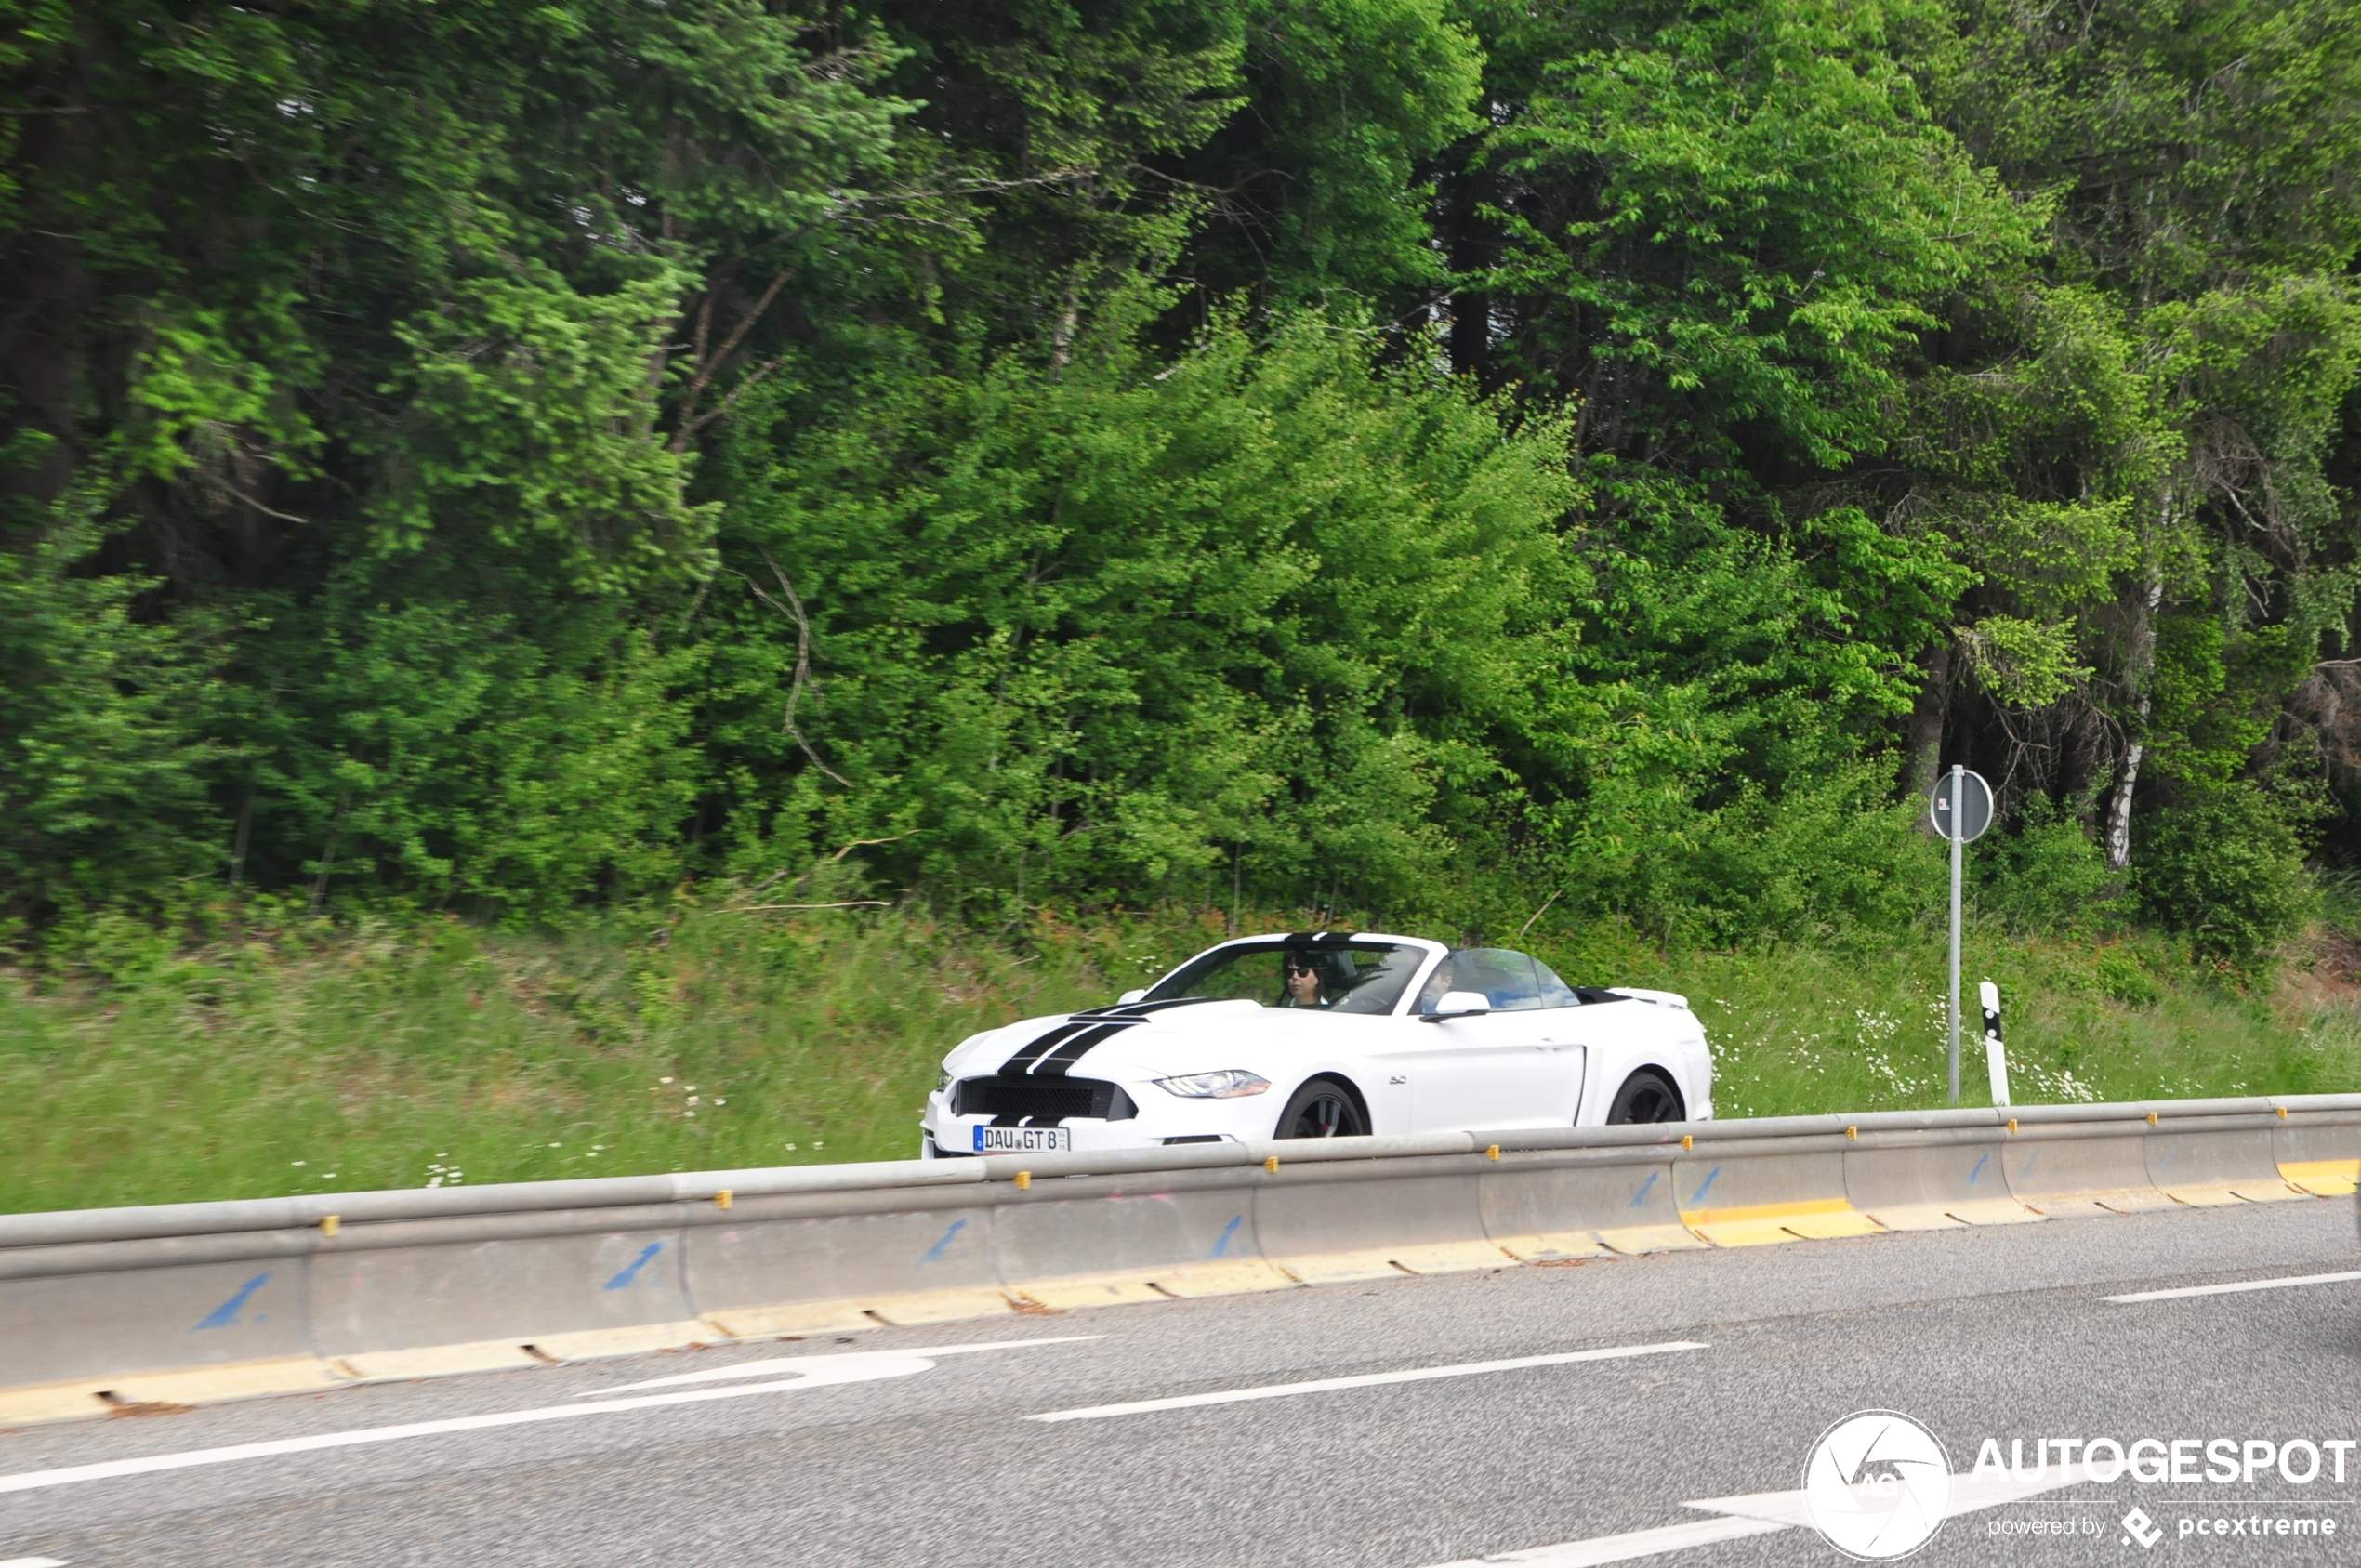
<point>1024,1140</point>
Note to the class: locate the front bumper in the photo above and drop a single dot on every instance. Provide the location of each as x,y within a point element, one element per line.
<point>1162,1119</point>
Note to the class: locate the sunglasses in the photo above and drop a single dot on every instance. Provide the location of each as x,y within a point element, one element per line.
<point>1296,968</point>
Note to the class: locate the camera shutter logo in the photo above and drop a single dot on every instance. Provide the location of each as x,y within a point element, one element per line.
<point>1878,1485</point>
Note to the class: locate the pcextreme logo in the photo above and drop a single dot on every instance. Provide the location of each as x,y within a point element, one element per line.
<point>1878,1485</point>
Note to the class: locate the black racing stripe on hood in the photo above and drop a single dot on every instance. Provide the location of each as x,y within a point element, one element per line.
<point>1142,1010</point>
<point>1040,1045</point>
<point>1054,1065</point>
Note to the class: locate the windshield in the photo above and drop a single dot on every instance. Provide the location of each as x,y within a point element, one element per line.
<point>1343,977</point>
<point>1509,981</point>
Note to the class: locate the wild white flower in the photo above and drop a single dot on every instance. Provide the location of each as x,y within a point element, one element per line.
<point>296,1162</point>
<point>791,1147</point>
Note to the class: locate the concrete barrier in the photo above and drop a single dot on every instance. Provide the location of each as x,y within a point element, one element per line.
<point>1325,1224</point>
<point>1543,1206</point>
<point>1933,1179</point>
<point>2317,1149</point>
<point>2213,1160</point>
<point>2060,1167</point>
<point>1764,1191</point>
<point>157,1305</point>
<point>104,1325</point>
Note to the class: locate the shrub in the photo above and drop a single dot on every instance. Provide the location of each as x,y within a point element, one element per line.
<point>2226,870</point>
<point>2047,875</point>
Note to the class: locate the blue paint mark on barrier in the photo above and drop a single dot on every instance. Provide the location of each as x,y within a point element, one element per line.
<point>1983,1160</point>
<point>1640,1196</point>
<point>226,1315</point>
<point>2028,1166</point>
<point>934,1253</point>
<point>631,1269</point>
<point>1227,1231</point>
<point>1698,1196</point>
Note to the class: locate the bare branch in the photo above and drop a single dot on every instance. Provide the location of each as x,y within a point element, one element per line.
<point>856,844</point>
<point>707,365</point>
<point>793,609</point>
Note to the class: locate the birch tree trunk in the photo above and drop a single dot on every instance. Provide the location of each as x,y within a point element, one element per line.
<point>2137,671</point>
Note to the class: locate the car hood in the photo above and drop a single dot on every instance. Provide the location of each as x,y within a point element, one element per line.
<point>1147,1040</point>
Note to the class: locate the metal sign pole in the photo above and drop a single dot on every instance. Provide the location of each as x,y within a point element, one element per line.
<point>1958,845</point>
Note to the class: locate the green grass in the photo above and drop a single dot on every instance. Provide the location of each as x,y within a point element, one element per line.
<point>303,1059</point>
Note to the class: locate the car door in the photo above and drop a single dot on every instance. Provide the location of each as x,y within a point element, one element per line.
<point>1516,1066</point>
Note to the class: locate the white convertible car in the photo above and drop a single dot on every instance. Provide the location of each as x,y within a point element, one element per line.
<point>1324,1035</point>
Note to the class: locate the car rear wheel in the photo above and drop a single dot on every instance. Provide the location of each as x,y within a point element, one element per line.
<point>1647,1096</point>
<point>1321,1109</point>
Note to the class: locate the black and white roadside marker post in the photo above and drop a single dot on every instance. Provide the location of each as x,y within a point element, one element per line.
<point>1961,811</point>
<point>1996,1058</point>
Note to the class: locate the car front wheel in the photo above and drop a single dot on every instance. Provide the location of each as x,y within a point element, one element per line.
<point>1647,1096</point>
<point>1321,1109</point>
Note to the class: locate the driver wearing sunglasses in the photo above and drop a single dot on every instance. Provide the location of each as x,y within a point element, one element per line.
<point>1304,986</point>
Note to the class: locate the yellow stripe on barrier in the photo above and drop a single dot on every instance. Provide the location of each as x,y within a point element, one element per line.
<point>2327,1178</point>
<point>1762,1224</point>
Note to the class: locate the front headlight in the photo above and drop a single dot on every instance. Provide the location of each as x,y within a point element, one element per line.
<point>943,1082</point>
<point>1231,1083</point>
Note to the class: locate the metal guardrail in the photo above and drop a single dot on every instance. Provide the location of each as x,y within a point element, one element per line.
<point>60,1226</point>
<point>344,1281</point>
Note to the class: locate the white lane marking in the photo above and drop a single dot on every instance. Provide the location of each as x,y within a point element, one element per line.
<point>847,1368</point>
<point>1365,1380</point>
<point>863,1366</point>
<point>2280,1283</point>
<point>1759,1514</point>
<point>32,1562</point>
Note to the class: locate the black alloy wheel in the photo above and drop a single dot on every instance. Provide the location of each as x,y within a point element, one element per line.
<point>1646,1097</point>
<point>1321,1109</point>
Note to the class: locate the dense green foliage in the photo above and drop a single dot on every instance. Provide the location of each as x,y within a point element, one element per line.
<point>1398,455</point>
<point>292,1056</point>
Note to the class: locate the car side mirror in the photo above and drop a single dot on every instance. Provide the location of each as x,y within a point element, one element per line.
<point>1128,997</point>
<point>1458,1004</point>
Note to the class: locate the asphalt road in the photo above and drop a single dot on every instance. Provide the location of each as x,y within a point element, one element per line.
<point>2002,1333</point>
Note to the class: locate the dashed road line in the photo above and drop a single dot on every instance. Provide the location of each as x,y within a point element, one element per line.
<point>779,1375</point>
<point>2280,1283</point>
<point>1364,1380</point>
<point>1759,1514</point>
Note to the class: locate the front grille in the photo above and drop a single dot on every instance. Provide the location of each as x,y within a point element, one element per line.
<point>1041,1101</point>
